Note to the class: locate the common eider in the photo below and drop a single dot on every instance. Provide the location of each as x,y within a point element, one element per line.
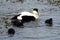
<point>49,22</point>
<point>21,18</point>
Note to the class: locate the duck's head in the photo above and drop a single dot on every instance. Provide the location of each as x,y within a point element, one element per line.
<point>35,9</point>
<point>36,12</point>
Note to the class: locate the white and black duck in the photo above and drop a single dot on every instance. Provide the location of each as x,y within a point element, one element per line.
<point>24,17</point>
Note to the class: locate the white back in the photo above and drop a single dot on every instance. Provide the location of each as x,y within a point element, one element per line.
<point>25,13</point>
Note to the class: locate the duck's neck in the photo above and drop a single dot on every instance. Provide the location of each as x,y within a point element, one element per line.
<point>36,14</point>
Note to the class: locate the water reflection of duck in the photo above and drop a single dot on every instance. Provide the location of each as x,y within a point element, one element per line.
<point>48,22</point>
<point>11,32</point>
<point>23,17</point>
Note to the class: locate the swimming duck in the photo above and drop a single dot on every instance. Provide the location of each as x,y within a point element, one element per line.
<point>11,31</point>
<point>23,17</point>
<point>49,22</point>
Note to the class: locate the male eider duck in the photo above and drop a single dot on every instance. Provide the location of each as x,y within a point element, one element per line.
<point>23,17</point>
<point>49,22</point>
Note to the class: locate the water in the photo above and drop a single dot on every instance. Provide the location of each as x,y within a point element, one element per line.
<point>33,30</point>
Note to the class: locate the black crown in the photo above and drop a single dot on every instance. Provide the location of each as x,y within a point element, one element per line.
<point>35,9</point>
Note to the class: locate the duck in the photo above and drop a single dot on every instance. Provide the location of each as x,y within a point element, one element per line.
<point>11,31</point>
<point>49,22</point>
<point>23,17</point>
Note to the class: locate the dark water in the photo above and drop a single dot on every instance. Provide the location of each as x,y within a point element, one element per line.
<point>33,30</point>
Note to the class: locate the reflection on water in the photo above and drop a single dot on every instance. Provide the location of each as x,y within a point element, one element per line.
<point>33,30</point>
